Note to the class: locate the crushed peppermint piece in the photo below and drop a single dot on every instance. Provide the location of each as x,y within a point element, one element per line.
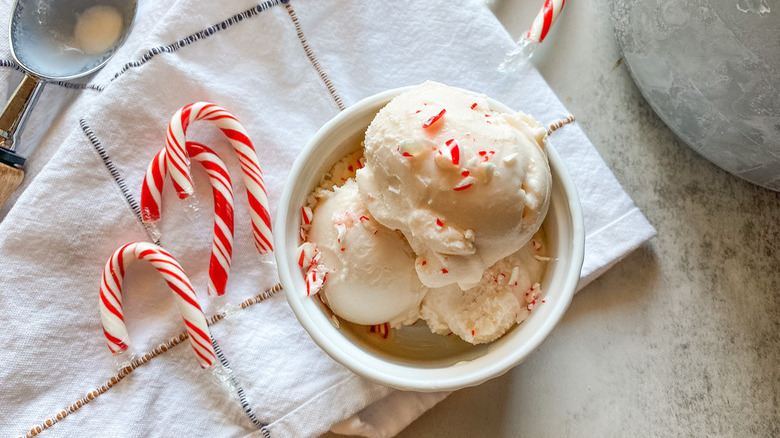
<point>510,159</point>
<point>382,330</point>
<point>486,171</point>
<point>465,183</point>
<point>514,275</point>
<point>454,150</point>
<point>439,222</point>
<point>448,154</point>
<point>341,229</point>
<point>434,119</point>
<point>345,219</point>
<point>537,245</point>
<point>485,155</point>
<point>412,147</point>
<point>473,105</point>
<point>314,280</point>
<point>306,214</point>
<point>307,253</point>
<point>444,270</point>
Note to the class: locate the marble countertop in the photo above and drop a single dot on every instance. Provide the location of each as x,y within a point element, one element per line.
<point>682,338</point>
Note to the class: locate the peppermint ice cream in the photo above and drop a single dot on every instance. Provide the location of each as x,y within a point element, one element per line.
<point>371,277</point>
<point>466,185</point>
<point>433,218</point>
<point>509,290</point>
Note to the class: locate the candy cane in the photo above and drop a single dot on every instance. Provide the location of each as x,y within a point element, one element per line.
<point>535,35</point>
<point>112,313</point>
<point>222,187</point>
<point>544,20</point>
<point>179,164</point>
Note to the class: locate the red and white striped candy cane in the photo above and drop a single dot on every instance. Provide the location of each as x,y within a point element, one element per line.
<point>179,164</point>
<point>112,313</point>
<point>525,46</point>
<point>222,187</point>
<point>544,20</point>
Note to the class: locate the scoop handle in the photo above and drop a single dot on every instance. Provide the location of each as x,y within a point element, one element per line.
<point>10,178</point>
<point>17,109</point>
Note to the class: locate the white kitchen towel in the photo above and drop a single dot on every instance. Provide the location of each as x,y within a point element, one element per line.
<point>283,68</point>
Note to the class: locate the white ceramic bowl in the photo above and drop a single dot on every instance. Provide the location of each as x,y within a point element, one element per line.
<point>413,358</point>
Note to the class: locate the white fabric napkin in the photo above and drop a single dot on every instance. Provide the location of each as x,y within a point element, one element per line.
<point>283,69</point>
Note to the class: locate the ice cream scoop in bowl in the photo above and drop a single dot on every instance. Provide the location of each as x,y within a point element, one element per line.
<point>413,358</point>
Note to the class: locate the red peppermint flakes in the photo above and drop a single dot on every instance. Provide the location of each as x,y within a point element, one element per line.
<point>364,218</point>
<point>424,263</point>
<point>465,183</point>
<point>473,105</point>
<point>382,330</point>
<point>434,119</point>
<point>448,154</point>
<point>465,173</point>
<point>439,222</point>
<point>454,150</point>
<point>444,271</point>
<point>306,214</point>
<point>485,155</point>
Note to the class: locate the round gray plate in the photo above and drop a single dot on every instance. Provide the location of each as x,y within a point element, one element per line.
<point>711,70</point>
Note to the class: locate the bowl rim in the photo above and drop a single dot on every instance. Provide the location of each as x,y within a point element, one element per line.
<point>404,376</point>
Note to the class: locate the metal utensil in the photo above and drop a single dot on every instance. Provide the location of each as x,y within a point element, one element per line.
<point>55,41</point>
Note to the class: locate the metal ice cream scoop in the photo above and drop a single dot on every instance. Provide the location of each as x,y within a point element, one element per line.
<point>55,40</point>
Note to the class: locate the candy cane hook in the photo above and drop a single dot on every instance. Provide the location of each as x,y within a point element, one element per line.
<point>112,313</point>
<point>536,33</point>
<point>222,187</point>
<point>178,163</point>
<point>544,20</point>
